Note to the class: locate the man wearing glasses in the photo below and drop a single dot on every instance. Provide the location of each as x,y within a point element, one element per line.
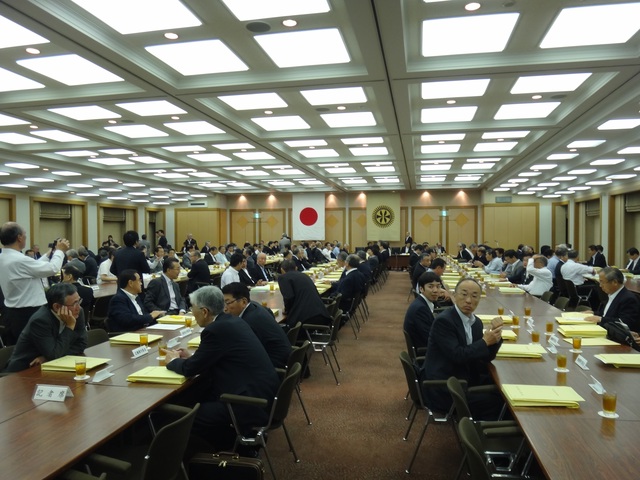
<point>163,293</point>
<point>126,310</point>
<point>55,330</point>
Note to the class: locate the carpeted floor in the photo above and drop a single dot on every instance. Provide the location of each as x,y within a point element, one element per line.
<point>358,426</point>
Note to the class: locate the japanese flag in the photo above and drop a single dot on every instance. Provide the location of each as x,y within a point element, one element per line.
<point>308,216</point>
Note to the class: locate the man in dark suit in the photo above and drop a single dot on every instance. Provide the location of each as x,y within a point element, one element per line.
<point>71,274</point>
<point>126,311</point>
<point>162,240</point>
<point>596,258</point>
<point>352,284</point>
<point>129,257</point>
<point>364,267</point>
<point>515,271</point>
<point>260,274</point>
<point>163,293</point>
<point>230,359</point>
<point>91,266</point>
<point>463,254</point>
<point>634,261</point>
<point>408,239</point>
<point>621,304</point>
<point>47,336</point>
<point>315,254</point>
<point>199,272</point>
<point>302,302</point>
<point>189,243</point>
<point>419,316</point>
<point>238,303</point>
<point>301,263</point>
<point>418,269</point>
<point>457,347</point>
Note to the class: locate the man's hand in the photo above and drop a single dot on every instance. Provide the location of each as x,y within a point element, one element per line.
<point>636,337</point>
<point>593,319</point>
<point>496,322</point>
<point>157,313</point>
<point>62,244</point>
<point>37,361</point>
<point>173,354</point>
<point>261,283</point>
<point>494,334</point>
<point>67,317</point>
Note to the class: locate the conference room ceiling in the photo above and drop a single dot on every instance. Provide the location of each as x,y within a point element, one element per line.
<point>163,101</point>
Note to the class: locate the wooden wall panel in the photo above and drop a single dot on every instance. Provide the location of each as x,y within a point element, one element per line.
<point>45,230</point>
<point>461,227</point>
<point>559,232</point>
<point>508,225</point>
<point>203,223</point>
<point>335,224</point>
<point>426,225</point>
<point>243,226</point>
<point>357,228</point>
<point>272,224</point>
<point>8,209</point>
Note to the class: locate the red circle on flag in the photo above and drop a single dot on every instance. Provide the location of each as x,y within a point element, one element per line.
<point>308,216</point>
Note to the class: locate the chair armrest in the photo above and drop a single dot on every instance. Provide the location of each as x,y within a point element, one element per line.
<point>310,326</point>
<point>482,388</point>
<point>434,383</point>
<point>103,463</point>
<point>243,400</point>
<point>421,351</point>
<point>171,409</point>
<point>502,432</point>
<point>282,372</point>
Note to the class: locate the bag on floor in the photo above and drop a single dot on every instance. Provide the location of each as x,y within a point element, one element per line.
<point>225,466</point>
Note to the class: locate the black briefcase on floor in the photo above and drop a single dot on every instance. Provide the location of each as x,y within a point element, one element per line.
<point>225,466</point>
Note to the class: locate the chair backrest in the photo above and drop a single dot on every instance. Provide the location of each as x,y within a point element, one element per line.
<point>164,458</point>
<point>5,355</point>
<point>335,326</point>
<point>298,354</point>
<point>412,379</point>
<point>546,296</point>
<point>332,307</point>
<point>561,303</point>
<point>459,397</point>
<point>96,336</point>
<point>293,333</point>
<point>411,349</point>
<point>282,401</point>
<point>562,289</point>
<point>100,310</point>
<point>572,291</point>
<point>472,446</point>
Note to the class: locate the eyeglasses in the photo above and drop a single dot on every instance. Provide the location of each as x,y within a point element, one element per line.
<point>77,303</point>
<point>229,302</point>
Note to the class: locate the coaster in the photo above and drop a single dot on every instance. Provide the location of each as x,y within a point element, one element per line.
<point>604,414</point>
<point>79,379</point>
<point>575,351</point>
<point>561,370</point>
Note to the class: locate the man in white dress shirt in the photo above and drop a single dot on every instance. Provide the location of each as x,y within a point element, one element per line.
<point>232,273</point>
<point>494,263</point>
<point>542,279</point>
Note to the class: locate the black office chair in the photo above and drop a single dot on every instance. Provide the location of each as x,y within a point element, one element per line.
<point>95,337</point>
<point>5,355</point>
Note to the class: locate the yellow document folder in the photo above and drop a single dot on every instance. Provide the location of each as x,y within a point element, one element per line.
<point>509,335</point>
<point>586,330</point>
<point>194,342</point>
<point>620,359</point>
<point>132,339</point>
<point>157,375</point>
<point>594,342</point>
<point>541,396</point>
<point>520,350</point>
<point>488,318</point>
<point>510,290</point>
<point>172,319</point>
<point>68,363</point>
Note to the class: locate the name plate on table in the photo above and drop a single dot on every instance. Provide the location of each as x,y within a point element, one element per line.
<point>103,374</point>
<point>174,342</point>
<point>185,332</point>
<point>141,351</point>
<point>596,386</point>
<point>552,348</point>
<point>530,322</point>
<point>554,340</point>
<point>582,362</point>
<point>53,393</point>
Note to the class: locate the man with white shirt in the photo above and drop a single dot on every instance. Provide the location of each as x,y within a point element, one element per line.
<point>621,303</point>
<point>494,263</point>
<point>634,261</point>
<point>104,270</point>
<point>126,311</point>
<point>220,257</point>
<point>163,293</point>
<point>260,274</point>
<point>22,276</point>
<point>575,272</point>
<point>232,273</point>
<point>542,280</point>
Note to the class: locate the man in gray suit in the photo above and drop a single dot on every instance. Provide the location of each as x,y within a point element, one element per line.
<point>163,293</point>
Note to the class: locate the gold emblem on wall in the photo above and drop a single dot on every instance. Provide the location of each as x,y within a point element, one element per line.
<point>383,216</point>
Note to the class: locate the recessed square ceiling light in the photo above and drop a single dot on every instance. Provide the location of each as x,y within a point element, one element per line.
<point>78,153</point>
<point>152,108</point>
<point>448,114</point>
<point>356,119</point>
<point>444,137</point>
<point>435,162</point>
<point>454,89</point>
<point>335,96</point>
<point>90,112</point>
<point>70,69</point>
<point>621,176</point>
<point>341,170</point>
<point>147,160</point>
<point>354,181</point>
<point>435,168</point>
<point>529,174</point>
<point>38,179</point>
<point>110,162</point>
<point>212,185</point>
<point>254,155</point>
<point>209,157</point>
<point>127,17</point>
<point>233,146</point>
<point>525,110</point>
<point>629,150</point>
<point>368,151</point>
<point>59,136</point>
<point>477,166</point>
<point>288,171</point>
<point>198,58</point>
<point>620,124</point>
<point>14,35</point>
<point>136,131</point>
<point>549,184</point>
<point>185,148</point>
<point>433,178</point>
<point>562,156</point>
<point>582,171</point>
<point>254,101</point>
<point>310,182</point>
<point>543,166</point>
<point>19,139</point>
<point>171,175</point>
<point>440,148</point>
<point>383,169</point>
<point>245,10</point>
<point>281,183</point>
<point>7,121</point>
<point>11,82</point>
<point>564,178</point>
<point>585,143</point>
<point>273,124</point>
<point>467,178</point>
<point>549,83</point>
<point>319,153</point>
<point>387,179</point>
<point>253,173</point>
<point>64,173</point>
<point>575,189</point>
<point>305,143</point>
<point>117,151</point>
<point>513,134</point>
<point>194,128</point>
<point>465,35</point>
<point>607,161</point>
<point>593,25</point>
<point>483,160</point>
<point>305,48</point>
<point>362,141</point>
<point>494,146</point>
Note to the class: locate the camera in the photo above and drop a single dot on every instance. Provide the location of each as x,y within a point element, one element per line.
<point>53,244</point>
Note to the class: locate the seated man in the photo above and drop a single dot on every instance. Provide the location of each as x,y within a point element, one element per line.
<point>104,270</point>
<point>163,293</point>
<point>230,359</point>
<point>71,274</point>
<point>514,272</point>
<point>231,275</point>
<point>260,273</point>
<point>237,301</point>
<point>542,280</point>
<point>494,263</point>
<point>53,331</point>
<point>575,272</point>
<point>634,261</point>
<point>199,272</point>
<point>419,317</point>
<point>621,304</point>
<point>155,264</point>
<point>459,348</point>
<point>126,311</point>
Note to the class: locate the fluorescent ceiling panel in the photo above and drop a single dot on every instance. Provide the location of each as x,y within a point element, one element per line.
<point>341,170</point>
<point>585,143</point>
<point>335,96</point>
<point>362,141</point>
<point>117,151</point>
<point>58,136</point>
<point>548,184</point>
<point>14,35</point>
<point>274,124</point>
<point>209,157</point>
<point>194,128</point>
<point>319,153</point>
<point>233,146</point>
<point>593,25</point>
<point>254,155</point>
<point>64,173</point>
<point>466,35</point>
<point>440,148</point>
<point>621,176</point>
<point>174,175</point>
<point>562,156</point>
<point>105,180</point>
<point>253,173</point>
<point>433,178</point>
<point>564,178</point>
<point>72,70</point>
<point>543,166</point>
<point>80,185</point>
<point>528,174</point>
<point>254,101</point>
<point>525,110</point>
<point>467,178</point>
<point>184,148</point>
<point>435,168</point>
<point>111,162</point>
<point>147,160</point>
<point>11,82</point>
<point>19,139</point>
<point>477,166</point>
<point>383,169</point>
<point>38,180</point>
<point>54,190</point>
<point>620,124</point>
<point>13,185</point>
<point>202,175</point>
<point>136,131</point>
<point>126,17</point>
<point>90,112</point>
<point>494,146</point>
<point>387,180</point>
<point>245,10</point>
<point>607,161</point>
<point>497,135</point>
<point>368,151</point>
<point>198,58</point>
<point>7,121</point>
<point>444,137</point>
<point>582,171</point>
<point>152,108</point>
<point>288,171</point>
<point>628,150</point>
<point>306,143</point>
<point>454,89</point>
<point>579,188</point>
<point>549,83</point>
<point>305,48</point>
<point>448,114</point>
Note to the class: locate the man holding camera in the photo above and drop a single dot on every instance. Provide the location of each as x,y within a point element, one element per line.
<point>21,279</point>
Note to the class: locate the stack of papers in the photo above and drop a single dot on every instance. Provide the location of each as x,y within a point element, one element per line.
<point>132,339</point>
<point>68,363</point>
<point>594,342</point>
<point>173,319</point>
<point>573,318</point>
<point>194,342</point>
<point>586,330</point>
<point>502,284</point>
<point>510,290</point>
<point>620,359</point>
<point>541,396</point>
<point>157,375</point>
<point>509,335</point>
<point>489,318</point>
<point>520,350</point>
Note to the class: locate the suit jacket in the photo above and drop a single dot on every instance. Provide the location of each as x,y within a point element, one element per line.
<point>625,307</point>
<point>162,241</point>
<point>245,278</point>
<point>408,239</point>
<point>86,294</point>
<point>209,258</point>
<point>365,269</point>
<point>129,258</point>
<point>270,334</point>
<point>302,301</point>
<point>449,355</point>
<point>598,260</point>
<point>418,321</point>
<point>256,274</point>
<point>91,267</point>
<point>464,255</point>
<point>199,273</point>
<point>301,265</point>
<point>636,268</point>
<point>516,274</point>
<point>350,286</point>
<point>123,316</point>
<point>316,256</point>
<point>418,270</point>
<point>230,359</point>
<point>42,336</point>
<point>157,296</point>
